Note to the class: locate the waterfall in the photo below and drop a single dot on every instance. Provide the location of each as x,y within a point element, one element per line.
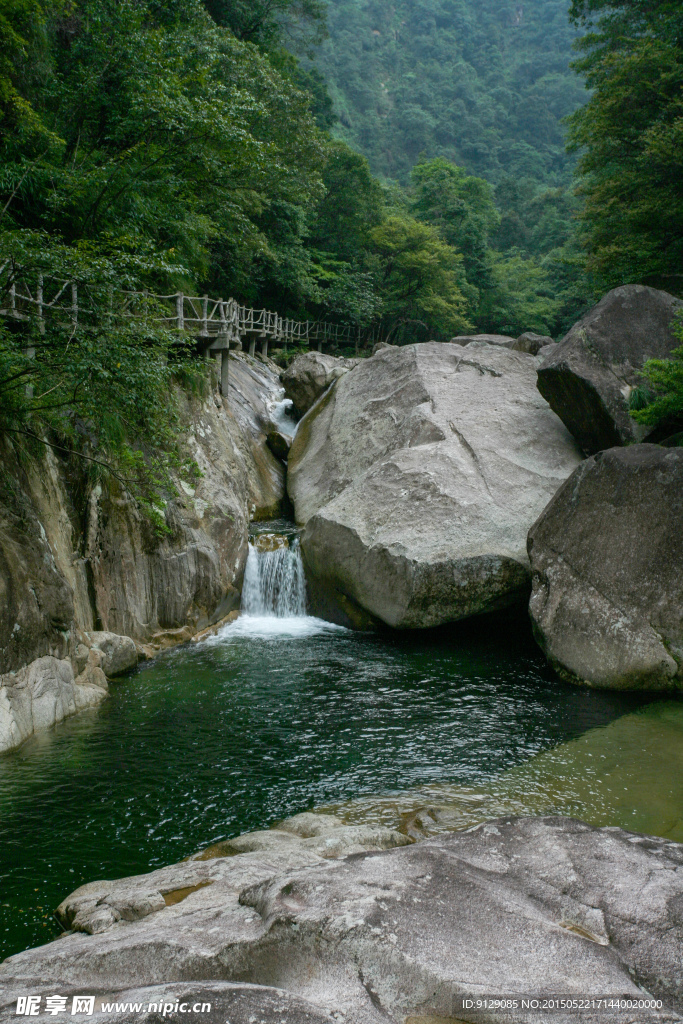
<point>282,416</point>
<point>274,584</point>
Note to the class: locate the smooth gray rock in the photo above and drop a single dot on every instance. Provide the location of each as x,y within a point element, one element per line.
<point>119,653</point>
<point>607,569</point>
<point>533,906</point>
<point>488,339</point>
<point>531,343</point>
<point>417,478</point>
<point>589,377</point>
<point>309,375</point>
<point>44,693</point>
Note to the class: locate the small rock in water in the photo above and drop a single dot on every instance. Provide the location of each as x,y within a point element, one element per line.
<point>278,444</point>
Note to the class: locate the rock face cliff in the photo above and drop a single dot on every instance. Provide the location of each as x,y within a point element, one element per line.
<point>77,561</point>
<point>417,476</point>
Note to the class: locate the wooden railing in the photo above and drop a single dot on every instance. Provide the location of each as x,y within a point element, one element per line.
<point>221,322</point>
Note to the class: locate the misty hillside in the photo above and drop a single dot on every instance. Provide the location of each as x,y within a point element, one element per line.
<point>484,84</point>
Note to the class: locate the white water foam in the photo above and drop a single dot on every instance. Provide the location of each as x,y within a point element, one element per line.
<point>267,626</point>
<point>274,594</point>
<point>282,416</point>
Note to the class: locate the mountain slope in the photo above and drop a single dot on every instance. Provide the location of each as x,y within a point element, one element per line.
<point>483,83</point>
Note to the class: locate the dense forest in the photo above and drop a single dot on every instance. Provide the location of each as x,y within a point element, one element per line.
<point>155,146</point>
<point>483,85</point>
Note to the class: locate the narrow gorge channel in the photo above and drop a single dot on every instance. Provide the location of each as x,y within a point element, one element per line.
<point>281,712</point>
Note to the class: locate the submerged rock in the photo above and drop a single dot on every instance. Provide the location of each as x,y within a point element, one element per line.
<point>607,564</point>
<point>44,693</point>
<point>589,377</point>
<point>417,478</point>
<point>539,906</point>
<point>309,375</point>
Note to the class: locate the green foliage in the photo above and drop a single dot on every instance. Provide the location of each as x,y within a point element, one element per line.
<point>145,144</point>
<point>352,205</point>
<point>660,399</point>
<point>463,210</point>
<point>519,298</point>
<point>266,21</point>
<point>484,85</point>
<point>420,277</point>
<point>631,137</point>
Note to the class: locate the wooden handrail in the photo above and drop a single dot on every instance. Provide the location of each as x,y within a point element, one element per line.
<point>201,316</point>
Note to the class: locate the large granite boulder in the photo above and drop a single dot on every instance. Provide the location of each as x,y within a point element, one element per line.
<point>589,377</point>
<point>607,568</point>
<point>119,653</point>
<point>309,375</point>
<point>417,478</point>
<point>517,906</point>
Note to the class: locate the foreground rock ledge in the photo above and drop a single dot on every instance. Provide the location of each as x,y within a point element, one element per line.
<point>607,570</point>
<point>518,905</point>
<point>418,476</point>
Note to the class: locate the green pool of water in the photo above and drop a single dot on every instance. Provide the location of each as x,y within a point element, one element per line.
<point>278,716</point>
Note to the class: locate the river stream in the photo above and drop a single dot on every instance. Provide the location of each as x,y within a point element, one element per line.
<point>281,712</point>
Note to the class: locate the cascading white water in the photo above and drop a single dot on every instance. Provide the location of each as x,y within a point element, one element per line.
<point>274,583</point>
<point>282,416</point>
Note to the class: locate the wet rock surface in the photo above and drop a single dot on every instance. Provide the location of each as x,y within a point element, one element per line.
<point>309,375</point>
<point>607,567</point>
<point>417,478</point>
<point>588,378</point>
<point>540,906</point>
<point>44,693</point>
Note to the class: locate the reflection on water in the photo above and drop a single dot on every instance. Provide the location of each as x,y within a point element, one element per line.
<point>627,773</point>
<point>275,716</point>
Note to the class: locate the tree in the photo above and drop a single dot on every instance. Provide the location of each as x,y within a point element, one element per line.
<point>352,205</point>
<point>148,145</point>
<point>658,402</point>
<point>631,137</point>
<point>266,21</point>
<point>462,208</point>
<point>419,277</point>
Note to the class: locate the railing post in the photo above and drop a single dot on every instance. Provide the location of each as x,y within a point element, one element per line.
<point>13,296</point>
<point>74,303</point>
<point>180,310</point>
<point>39,300</point>
<point>205,315</point>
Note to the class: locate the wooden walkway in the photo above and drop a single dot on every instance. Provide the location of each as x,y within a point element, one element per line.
<point>220,324</point>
